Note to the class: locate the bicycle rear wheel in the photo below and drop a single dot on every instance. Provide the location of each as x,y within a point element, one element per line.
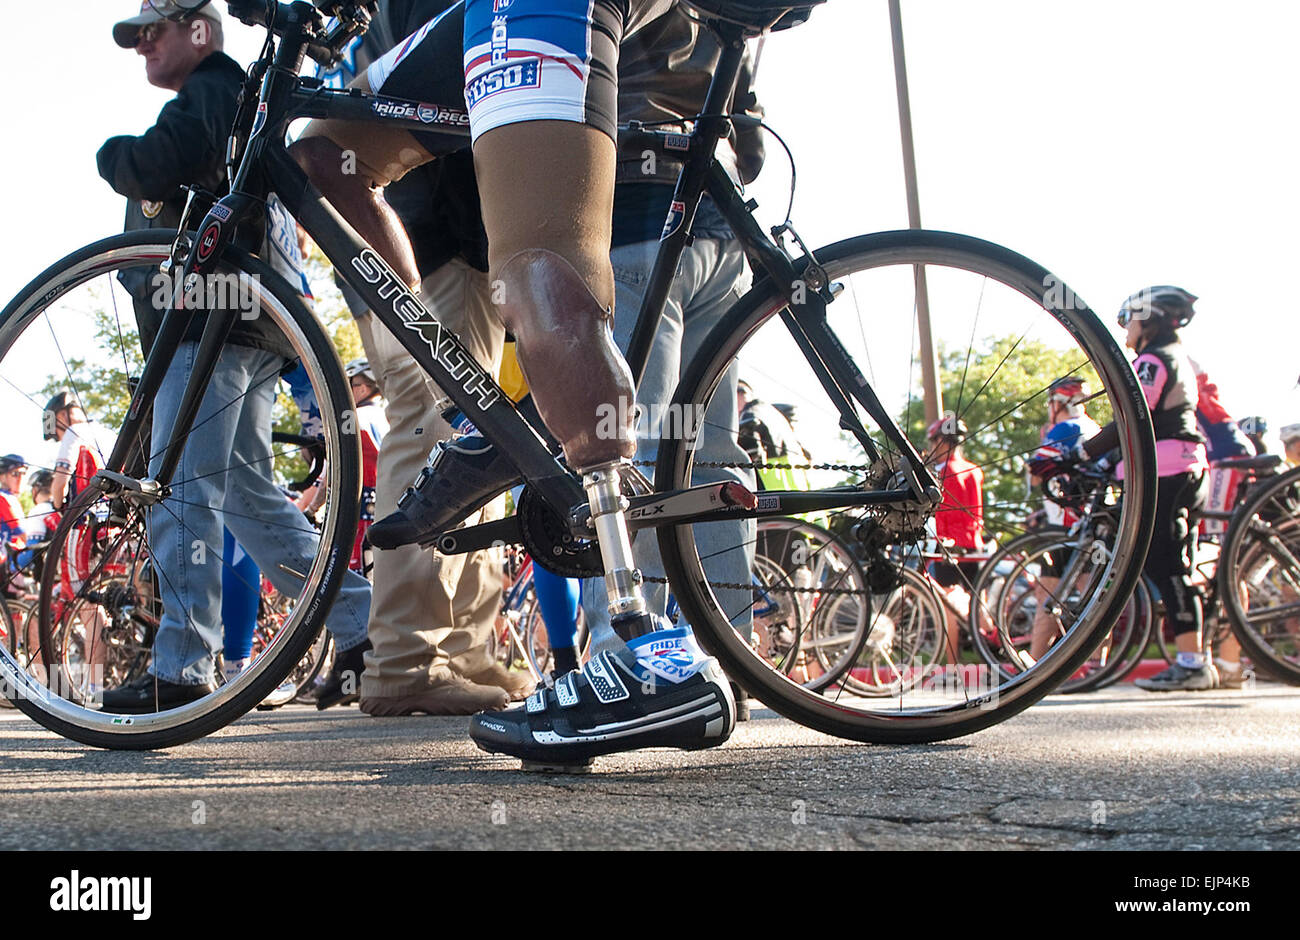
<point>1013,328</point>
<point>102,591</point>
<point>1259,576</point>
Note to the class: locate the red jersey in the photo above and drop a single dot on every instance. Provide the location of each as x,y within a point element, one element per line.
<point>960,517</point>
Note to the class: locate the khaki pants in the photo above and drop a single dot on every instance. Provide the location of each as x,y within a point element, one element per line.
<point>431,615</point>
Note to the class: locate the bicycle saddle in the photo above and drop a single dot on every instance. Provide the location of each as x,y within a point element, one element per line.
<point>757,14</point>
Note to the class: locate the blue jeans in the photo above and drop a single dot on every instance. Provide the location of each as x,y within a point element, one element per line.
<point>224,481</point>
<point>710,278</point>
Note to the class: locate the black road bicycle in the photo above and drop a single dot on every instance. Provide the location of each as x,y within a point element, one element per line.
<point>832,331</point>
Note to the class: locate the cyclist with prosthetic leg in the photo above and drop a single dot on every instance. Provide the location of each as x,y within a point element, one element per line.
<point>545,164</point>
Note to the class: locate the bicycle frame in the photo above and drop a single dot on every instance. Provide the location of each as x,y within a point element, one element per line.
<point>267,167</point>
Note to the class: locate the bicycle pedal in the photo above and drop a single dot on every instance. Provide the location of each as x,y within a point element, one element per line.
<point>549,767</point>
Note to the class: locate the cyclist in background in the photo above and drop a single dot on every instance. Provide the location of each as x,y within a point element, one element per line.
<point>1152,320</point>
<point>84,445</point>
<point>1256,429</point>
<point>372,425</point>
<point>1068,426</point>
<point>768,437</point>
<point>43,519</point>
<point>958,521</point>
<point>12,514</point>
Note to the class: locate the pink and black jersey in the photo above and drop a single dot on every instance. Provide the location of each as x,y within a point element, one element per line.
<point>1169,383</point>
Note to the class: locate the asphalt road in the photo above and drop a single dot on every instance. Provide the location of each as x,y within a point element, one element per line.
<point>1121,769</point>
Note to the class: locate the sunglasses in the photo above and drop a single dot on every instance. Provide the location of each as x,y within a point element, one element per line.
<point>149,32</point>
<point>1130,312</point>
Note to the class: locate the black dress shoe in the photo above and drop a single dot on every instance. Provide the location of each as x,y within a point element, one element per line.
<point>151,694</point>
<point>343,687</point>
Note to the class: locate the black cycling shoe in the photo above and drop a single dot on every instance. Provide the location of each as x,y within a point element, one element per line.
<point>608,706</point>
<point>460,477</point>
<point>343,687</point>
<point>150,694</point>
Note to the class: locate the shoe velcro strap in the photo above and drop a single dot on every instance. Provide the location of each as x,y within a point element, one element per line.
<point>536,702</point>
<point>565,691</point>
<point>604,679</point>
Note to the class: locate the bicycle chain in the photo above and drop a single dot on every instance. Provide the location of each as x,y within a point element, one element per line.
<point>767,587</point>
<point>756,465</point>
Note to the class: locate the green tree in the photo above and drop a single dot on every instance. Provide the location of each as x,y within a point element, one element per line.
<point>999,388</point>
<point>102,384</point>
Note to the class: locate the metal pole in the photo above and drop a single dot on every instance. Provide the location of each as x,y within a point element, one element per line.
<point>929,364</point>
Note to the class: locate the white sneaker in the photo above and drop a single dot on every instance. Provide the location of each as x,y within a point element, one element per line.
<point>282,695</point>
<point>1231,675</point>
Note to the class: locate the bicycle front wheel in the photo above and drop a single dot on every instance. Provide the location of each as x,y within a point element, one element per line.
<point>105,589</point>
<point>1259,576</point>
<point>1006,329</point>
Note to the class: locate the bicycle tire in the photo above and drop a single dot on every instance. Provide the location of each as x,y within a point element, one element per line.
<point>93,268</point>
<point>894,656</point>
<point>1124,665</point>
<point>1028,549</point>
<point>1022,545</point>
<point>1013,280</point>
<point>1261,548</point>
<point>845,595</point>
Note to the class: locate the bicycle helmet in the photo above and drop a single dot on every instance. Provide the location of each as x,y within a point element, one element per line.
<point>949,426</point>
<point>1070,389</point>
<point>63,398</point>
<point>1289,433</point>
<point>41,479</point>
<point>1254,426</point>
<point>12,462</point>
<point>362,368</point>
<point>1163,304</point>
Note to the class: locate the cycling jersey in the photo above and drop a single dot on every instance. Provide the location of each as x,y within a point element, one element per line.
<point>1222,436</point>
<point>372,425</point>
<point>1068,433</point>
<point>42,522</point>
<point>1169,383</point>
<point>82,452</point>
<point>11,520</point>
<point>960,517</point>
<point>1169,386</point>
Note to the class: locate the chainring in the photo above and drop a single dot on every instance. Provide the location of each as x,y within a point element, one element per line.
<point>549,542</point>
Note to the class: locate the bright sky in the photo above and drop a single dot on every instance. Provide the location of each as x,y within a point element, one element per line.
<point>1119,143</point>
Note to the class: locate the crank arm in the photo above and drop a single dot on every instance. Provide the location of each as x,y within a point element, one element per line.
<point>488,535</point>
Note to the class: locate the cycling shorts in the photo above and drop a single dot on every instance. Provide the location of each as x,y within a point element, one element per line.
<point>509,61</point>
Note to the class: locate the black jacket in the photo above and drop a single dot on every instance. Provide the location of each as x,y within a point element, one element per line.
<point>438,202</point>
<point>186,145</point>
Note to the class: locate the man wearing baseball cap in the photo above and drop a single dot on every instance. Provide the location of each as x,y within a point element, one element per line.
<point>187,145</point>
<point>127,33</point>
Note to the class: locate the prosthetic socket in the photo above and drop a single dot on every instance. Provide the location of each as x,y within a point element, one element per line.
<point>567,353</point>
